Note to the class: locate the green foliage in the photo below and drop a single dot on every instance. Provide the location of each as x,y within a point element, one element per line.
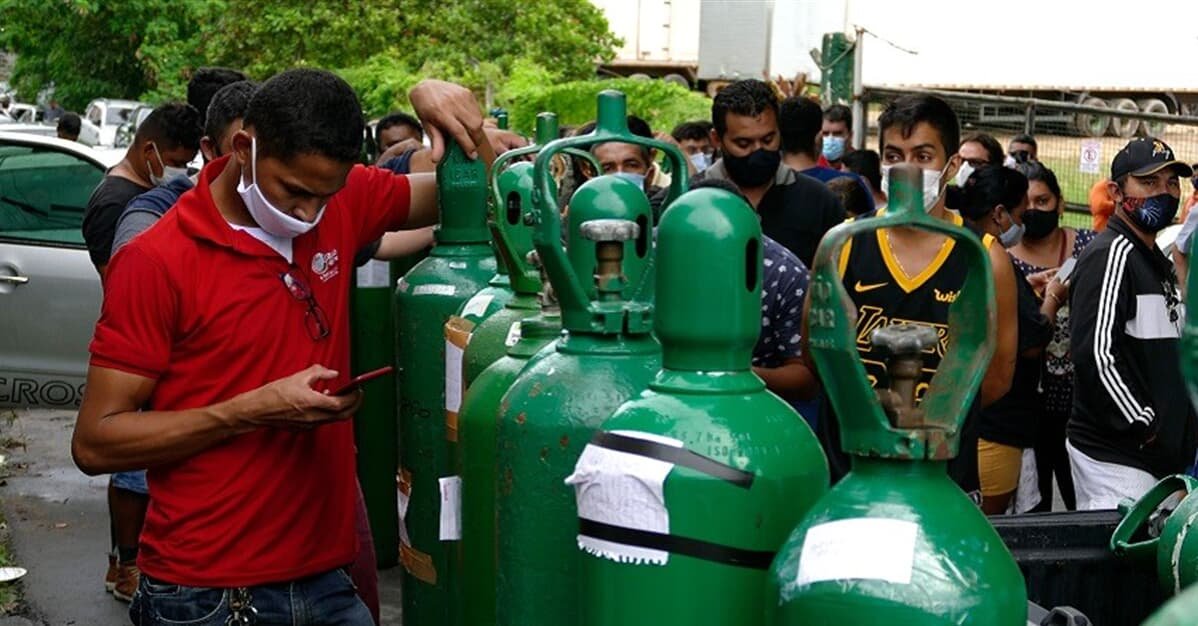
<point>382,83</point>
<point>150,48</point>
<point>90,49</point>
<point>662,104</point>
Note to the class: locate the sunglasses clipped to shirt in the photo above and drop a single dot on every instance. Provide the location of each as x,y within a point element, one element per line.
<point>315,321</point>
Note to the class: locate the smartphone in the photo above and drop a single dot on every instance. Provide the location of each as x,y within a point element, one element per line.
<point>1066,270</point>
<point>357,381</point>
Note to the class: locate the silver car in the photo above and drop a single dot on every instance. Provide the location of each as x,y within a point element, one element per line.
<point>49,291</point>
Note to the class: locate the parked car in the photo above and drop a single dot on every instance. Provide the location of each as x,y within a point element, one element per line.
<point>109,115</point>
<point>49,292</point>
<point>25,113</point>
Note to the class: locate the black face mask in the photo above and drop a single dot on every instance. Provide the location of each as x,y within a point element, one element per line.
<point>755,169</point>
<point>1040,224</point>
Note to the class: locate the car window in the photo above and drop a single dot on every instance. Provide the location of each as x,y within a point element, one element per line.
<point>43,193</point>
<point>117,116</point>
<point>93,114</point>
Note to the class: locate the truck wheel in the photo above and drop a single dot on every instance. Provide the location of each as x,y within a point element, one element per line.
<point>1122,126</point>
<point>1152,105</point>
<point>640,76</point>
<point>677,79</point>
<point>1089,124</point>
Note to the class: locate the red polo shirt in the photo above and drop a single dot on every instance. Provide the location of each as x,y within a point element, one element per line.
<point>202,309</point>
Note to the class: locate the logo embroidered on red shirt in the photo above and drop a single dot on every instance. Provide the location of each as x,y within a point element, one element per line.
<point>324,265</point>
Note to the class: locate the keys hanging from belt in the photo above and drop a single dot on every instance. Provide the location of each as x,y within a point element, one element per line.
<point>241,608</point>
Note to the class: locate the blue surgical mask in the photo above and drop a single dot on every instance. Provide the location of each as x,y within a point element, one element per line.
<point>701,161</point>
<point>636,179</point>
<point>833,148</point>
<point>1011,237</point>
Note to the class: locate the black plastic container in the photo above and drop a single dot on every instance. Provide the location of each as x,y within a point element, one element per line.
<point>1066,561</point>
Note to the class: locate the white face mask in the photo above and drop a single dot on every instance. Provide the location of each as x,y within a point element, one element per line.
<point>168,172</point>
<point>701,160</point>
<point>269,218</point>
<point>931,185</point>
<point>964,173</point>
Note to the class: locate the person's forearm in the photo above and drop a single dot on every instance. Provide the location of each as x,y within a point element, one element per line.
<point>404,243</point>
<point>422,209</point>
<point>132,440</point>
<point>791,381</point>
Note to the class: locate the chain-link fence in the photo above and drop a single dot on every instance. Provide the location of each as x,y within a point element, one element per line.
<point>1077,142</point>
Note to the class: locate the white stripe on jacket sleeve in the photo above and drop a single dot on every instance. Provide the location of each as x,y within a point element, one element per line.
<point>1104,338</point>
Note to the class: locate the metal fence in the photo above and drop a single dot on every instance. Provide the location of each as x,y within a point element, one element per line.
<point>1077,142</point>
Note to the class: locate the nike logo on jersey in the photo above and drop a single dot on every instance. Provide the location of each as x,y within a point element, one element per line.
<point>859,288</point>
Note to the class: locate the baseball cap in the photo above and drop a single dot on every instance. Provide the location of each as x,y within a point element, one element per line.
<point>1146,155</point>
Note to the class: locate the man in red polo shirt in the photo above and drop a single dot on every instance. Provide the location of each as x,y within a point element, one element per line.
<point>227,322</point>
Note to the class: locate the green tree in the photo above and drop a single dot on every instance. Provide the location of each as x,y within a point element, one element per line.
<point>475,42</point>
<point>91,48</point>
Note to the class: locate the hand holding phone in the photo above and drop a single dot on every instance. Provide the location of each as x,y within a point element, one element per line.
<point>356,382</point>
<point>1066,270</point>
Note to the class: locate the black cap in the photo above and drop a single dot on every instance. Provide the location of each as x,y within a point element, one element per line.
<point>1146,155</point>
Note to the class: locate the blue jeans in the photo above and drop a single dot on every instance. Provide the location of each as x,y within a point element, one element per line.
<point>327,598</point>
<point>131,481</point>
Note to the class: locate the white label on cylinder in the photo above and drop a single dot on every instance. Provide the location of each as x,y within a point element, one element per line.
<point>451,508</point>
<point>513,335</point>
<point>458,265</point>
<point>859,549</point>
<point>374,273</point>
<point>436,290</point>
<point>453,377</point>
<point>477,305</point>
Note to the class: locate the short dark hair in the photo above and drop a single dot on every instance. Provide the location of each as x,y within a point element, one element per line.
<point>227,105</point>
<point>636,126</point>
<point>721,183</point>
<point>1035,170</point>
<point>866,164</point>
<point>691,131</point>
<point>639,127</point>
<point>170,126</point>
<point>994,153</point>
<point>206,82</point>
<point>852,194</point>
<point>70,124</point>
<point>306,111</point>
<point>749,97</point>
<point>908,111</point>
<point>396,118</point>
<point>839,113</point>
<point>986,188</point>
<point>799,121</point>
<point>1025,138</point>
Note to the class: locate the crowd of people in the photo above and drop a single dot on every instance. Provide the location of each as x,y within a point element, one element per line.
<point>225,313</point>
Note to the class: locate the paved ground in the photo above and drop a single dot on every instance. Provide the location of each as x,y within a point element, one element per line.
<point>59,527</point>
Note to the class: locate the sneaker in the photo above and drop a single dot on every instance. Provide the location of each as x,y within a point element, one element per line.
<point>110,576</point>
<point>127,578</point>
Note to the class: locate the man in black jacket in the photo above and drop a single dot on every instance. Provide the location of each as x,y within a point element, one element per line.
<point>796,210</point>
<point>1131,423</point>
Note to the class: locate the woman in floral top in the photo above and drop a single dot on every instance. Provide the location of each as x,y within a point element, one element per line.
<point>1045,246</point>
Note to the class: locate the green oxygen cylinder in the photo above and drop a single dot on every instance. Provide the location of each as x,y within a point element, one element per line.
<point>606,356</point>
<point>1158,527</point>
<point>511,224</point>
<point>1179,611</point>
<point>896,541</point>
<point>476,444</point>
<point>458,266</point>
<point>376,431</point>
<point>688,491</point>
